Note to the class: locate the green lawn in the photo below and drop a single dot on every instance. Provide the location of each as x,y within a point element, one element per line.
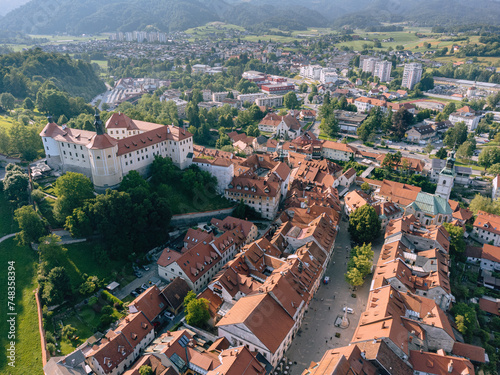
<point>182,203</point>
<point>28,350</point>
<point>78,260</point>
<point>6,122</point>
<point>7,222</point>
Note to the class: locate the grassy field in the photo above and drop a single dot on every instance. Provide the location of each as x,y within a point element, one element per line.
<point>181,203</point>
<point>6,122</point>
<point>28,350</point>
<point>103,64</point>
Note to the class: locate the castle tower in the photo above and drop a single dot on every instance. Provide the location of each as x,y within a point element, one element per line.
<point>104,162</point>
<point>50,145</point>
<point>446,178</point>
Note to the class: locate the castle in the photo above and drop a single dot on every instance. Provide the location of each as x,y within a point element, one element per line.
<point>107,157</point>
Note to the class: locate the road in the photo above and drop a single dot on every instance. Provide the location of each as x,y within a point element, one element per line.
<point>317,333</point>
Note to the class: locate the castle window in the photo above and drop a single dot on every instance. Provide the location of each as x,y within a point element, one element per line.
<point>109,156</point>
<point>81,148</point>
<point>444,182</point>
<point>83,156</point>
<point>98,158</point>
<point>74,146</point>
<point>70,154</point>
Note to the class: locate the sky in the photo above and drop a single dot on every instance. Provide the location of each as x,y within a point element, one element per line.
<point>7,5</point>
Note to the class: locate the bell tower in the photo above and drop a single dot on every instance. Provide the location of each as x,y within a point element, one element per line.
<point>446,178</point>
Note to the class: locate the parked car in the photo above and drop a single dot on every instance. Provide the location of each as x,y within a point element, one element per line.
<point>138,290</point>
<point>326,280</point>
<point>146,268</point>
<point>138,274</point>
<point>169,315</point>
<point>349,310</point>
<point>134,294</point>
<point>144,287</point>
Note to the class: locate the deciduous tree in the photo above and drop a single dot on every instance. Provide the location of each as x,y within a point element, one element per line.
<point>364,224</point>
<point>30,223</point>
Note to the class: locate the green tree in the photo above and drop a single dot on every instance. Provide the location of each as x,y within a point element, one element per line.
<point>30,223</point>
<point>442,153</point>
<point>51,249</point>
<point>363,259</point>
<point>483,203</point>
<point>197,313</point>
<point>364,224</point>
<point>15,186</point>
<point>457,242</point>
<point>401,120</point>
<point>7,101</point>
<point>330,125</point>
<point>28,104</point>
<point>456,136</point>
<point>489,156</point>
<point>365,186</point>
<point>494,169</point>
<point>465,151</point>
<point>57,286</point>
<point>68,331</point>
<point>468,321</point>
<point>290,100</point>
<point>303,87</point>
<point>428,148</point>
<point>146,370</point>
<point>72,189</point>
<point>354,277</point>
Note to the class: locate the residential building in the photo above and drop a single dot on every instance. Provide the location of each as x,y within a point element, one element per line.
<point>283,126</point>
<point>420,133</point>
<point>278,88</point>
<point>121,347</point>
<point>221,168</point>
<point>199,264</point>
<point>489,258</point>
<point>495,192</point>
<point>356,199</point>
<point>250,98</point>
<point>364,104</point>
<point>425,363</point>
<point>467,116</point>
<point>338,151</point>
<point>271,101</point>
<point>71,364</point>
<point>486,228</point>
<point>412,75</point>
<point>387,211</point>
<point>106,159</point>
<point>382,70</point>
<point>248,228</point>
<point>174,293</point>
<point>349,122</point>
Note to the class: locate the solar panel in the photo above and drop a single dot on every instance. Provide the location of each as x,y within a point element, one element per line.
<point>183,341</point>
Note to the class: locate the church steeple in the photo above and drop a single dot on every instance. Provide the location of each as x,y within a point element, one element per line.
<point>98,124</point>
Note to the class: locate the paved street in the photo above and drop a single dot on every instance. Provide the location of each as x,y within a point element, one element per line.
<point>317,333</point>
<point>146,276</point>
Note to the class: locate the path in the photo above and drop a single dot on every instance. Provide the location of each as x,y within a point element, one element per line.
<point>6,237</point>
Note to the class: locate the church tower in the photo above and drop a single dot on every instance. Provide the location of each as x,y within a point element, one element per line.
<point>104,161</point>
<point>446,178</point>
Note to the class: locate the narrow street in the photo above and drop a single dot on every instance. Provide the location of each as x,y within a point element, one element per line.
<point>317,333</point>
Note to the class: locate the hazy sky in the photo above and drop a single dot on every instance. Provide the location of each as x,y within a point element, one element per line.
<point>7,5</point>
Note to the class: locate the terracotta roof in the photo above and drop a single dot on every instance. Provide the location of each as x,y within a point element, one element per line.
<point>151,303</point>
<point>490,305</point>
<point>339,146</point>
<point>238,361</point>
<point>356,199</point>
<point>121,121</point>
<point>76,136</point>
<point>230,222</point>
<point>434,363</point>
<point>253,186</point>
<point>153,362</point>
<point>272,119</point>
<point>151,137</point>
<point>472,352</point>
<point>397,192</point>
<point>491,253</point>
<point>263,317</point>
<point>487,222</point>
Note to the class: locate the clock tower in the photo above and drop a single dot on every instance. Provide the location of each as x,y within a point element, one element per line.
<point>446,178</point>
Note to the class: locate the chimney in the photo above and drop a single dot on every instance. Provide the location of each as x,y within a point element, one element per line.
<point>50,120</point>
<point>450,366</point>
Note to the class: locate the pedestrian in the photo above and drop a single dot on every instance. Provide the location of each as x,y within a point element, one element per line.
<point>328,307</point>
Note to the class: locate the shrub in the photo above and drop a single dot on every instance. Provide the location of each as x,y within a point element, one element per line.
<point>51,348</point>
<point>50,337</point>
<point>337,334</point>
<point>108,297</point>
<point>107,310</point>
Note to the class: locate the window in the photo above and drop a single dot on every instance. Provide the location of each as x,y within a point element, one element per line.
<point>98,157</point>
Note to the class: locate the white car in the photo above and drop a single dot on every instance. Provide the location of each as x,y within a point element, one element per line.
<point>349,310</point>
<point>169,315</point>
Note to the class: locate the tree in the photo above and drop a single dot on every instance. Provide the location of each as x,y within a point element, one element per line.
<point>50,248</point>
<point>362,259</point>
<point>455,136</point>
<point>72,189</point>
<point>483,203</point>
<point>57,286</point>
<point>428,148</point>
<point>30,223</point>
<point>354,277</point>
<point>457,242</point>
<point>7,101</point>
<point>15,186</point>
<point>197,313</point>
<point>28,104</point>
<point>303,87</point>
<point>290,100</point>
<point>442,153</point>
<point>494,169</point>
<point>146,370</point>
<point>401,120</point>
<point>68,331</point>
<point>330,125</point>
<point>364,224</point>
<point>465,317</point>
<point>489,156</point>
<point>465,151</point>
<point>365,186</point>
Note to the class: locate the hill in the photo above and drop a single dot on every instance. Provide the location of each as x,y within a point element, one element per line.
<point>21,73</point>
<point>96,16</point>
